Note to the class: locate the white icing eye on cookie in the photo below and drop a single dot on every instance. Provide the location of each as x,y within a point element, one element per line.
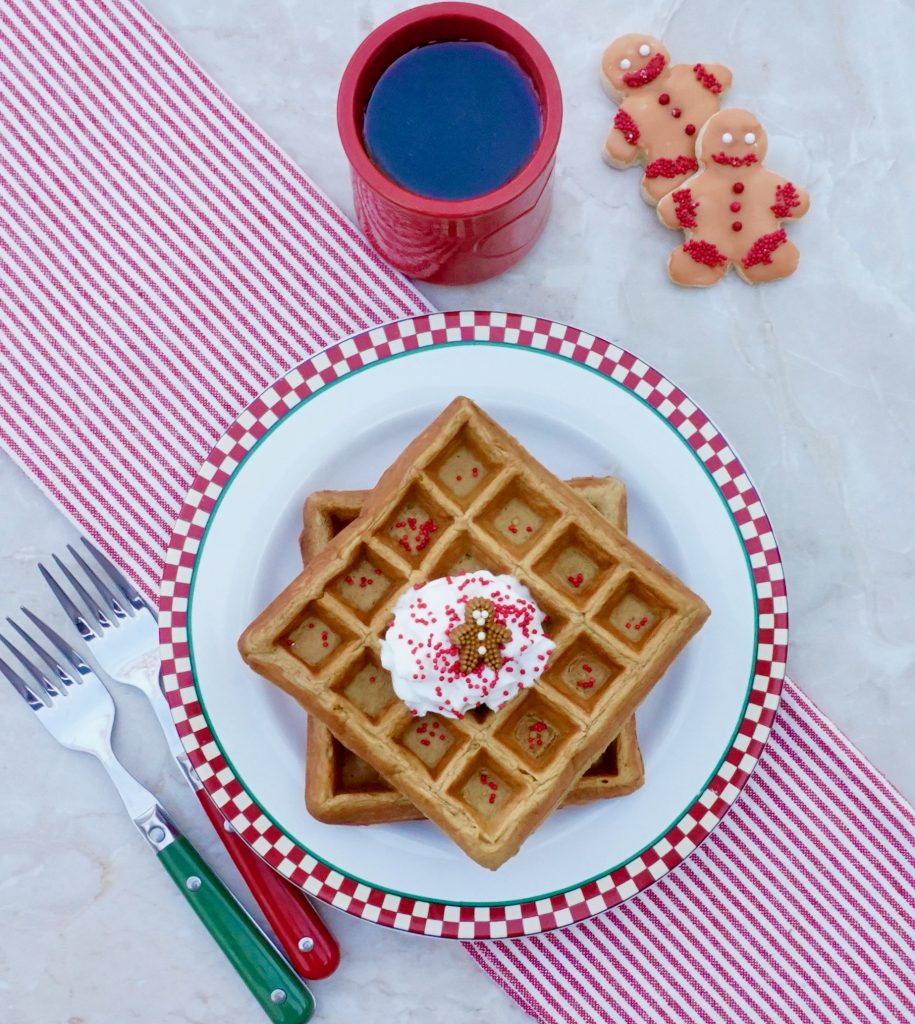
<point>644,49</point>
<point>749,138</point>
<point>625,63</point>
<point>727,138</point>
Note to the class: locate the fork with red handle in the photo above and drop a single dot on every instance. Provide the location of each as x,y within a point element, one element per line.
<point>121,631</point>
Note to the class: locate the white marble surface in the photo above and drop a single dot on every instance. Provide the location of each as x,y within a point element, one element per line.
<point>811,379</point>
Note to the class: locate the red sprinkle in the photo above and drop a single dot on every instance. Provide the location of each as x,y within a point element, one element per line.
<point>676,112</point>
<point>707,79</point>
<point>734,161</point>
<point>625,124</point>
<point>705,252</point>
<point>735,207</point>
<point>786,199</point>
<point>737,226</point>
<point>761,250</point>
<point>690,129</point>
<point>685,207</point>
<point>425,743</point>
<point>492,798</point>
<point>646,74</point>
<point>737,187</point>
<point>576,580</point>
<point>664,167</point>
<point>475,471</point>
<point>664,99</point>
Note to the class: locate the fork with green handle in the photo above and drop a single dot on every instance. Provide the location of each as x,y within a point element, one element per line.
<point>74,705</point>
<point>121,631</point>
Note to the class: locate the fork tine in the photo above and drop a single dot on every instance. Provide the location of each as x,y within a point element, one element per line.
<point>103,588</point>
<point>21,687</point>
<point>73,613</point>
<point>49,688</point>
<point>62,646</point>
<point>120,580</point>
<point>56,669</point>
<point>88,600</point>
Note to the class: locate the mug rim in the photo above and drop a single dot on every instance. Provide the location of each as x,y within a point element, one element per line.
<point>351,134</point>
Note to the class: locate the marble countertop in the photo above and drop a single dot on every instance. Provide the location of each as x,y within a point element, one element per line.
<point>811,379</point>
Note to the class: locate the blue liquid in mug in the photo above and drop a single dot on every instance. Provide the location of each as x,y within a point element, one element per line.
<point>452,120</point>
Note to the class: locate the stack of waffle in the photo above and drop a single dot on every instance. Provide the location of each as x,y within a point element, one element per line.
<point>617,617</point>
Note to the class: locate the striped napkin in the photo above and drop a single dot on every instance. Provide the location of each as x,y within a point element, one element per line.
<point>161,262</point>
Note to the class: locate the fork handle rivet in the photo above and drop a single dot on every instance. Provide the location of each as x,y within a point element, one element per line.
<point>157,834</point>
<point>306,944</point>
<point>277,996</point>
<point>193,883</point>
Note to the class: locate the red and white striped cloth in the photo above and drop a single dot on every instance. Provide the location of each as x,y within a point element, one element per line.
<point>161,261</point>
<point>799,907</point>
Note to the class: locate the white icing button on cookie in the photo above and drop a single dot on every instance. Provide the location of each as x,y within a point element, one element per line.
<point>749,138</point>
<point>727,138</point>
<point>625,63</point>
<point>481,649</point>
<point>644,49</point>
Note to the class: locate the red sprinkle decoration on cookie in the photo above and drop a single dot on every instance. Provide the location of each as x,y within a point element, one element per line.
<point>627,126</point>
<point>707,79</point>
<point>786,200</point>
<point>705,253</point>
<point>762,249</point>
<point>664,167</point>
<point>685,207</point>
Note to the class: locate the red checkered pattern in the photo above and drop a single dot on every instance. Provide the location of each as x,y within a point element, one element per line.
<point>441,919</point>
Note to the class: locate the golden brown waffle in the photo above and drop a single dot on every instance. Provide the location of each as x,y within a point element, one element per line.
<point>341,788</point>
<point>465,481</point>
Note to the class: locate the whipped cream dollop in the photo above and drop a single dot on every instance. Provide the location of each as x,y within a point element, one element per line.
<point>425,664</point>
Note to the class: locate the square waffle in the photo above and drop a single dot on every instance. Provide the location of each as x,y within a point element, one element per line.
<point>341,788</point>
<point>464,480</point>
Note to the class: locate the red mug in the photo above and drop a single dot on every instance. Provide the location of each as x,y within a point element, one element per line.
<point>441,240</point>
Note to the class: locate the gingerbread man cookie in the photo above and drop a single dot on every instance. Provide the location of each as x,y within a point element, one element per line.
<point>663,106</point>
<point>732,209</point>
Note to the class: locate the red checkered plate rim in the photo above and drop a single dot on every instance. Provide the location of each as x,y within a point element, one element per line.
<point>395,909</point>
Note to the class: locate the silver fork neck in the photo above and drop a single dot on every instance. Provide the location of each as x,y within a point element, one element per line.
<point>140,803</point>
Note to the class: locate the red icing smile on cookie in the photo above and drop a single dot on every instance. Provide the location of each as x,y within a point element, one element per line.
<point>648,73</point>
<point>734,161</point>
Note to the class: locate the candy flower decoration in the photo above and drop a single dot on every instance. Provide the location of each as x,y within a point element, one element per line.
<point>662,108</point>
<point>732,210</point>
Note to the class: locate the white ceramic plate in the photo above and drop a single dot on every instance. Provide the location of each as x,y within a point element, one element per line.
<point>578,422</point>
